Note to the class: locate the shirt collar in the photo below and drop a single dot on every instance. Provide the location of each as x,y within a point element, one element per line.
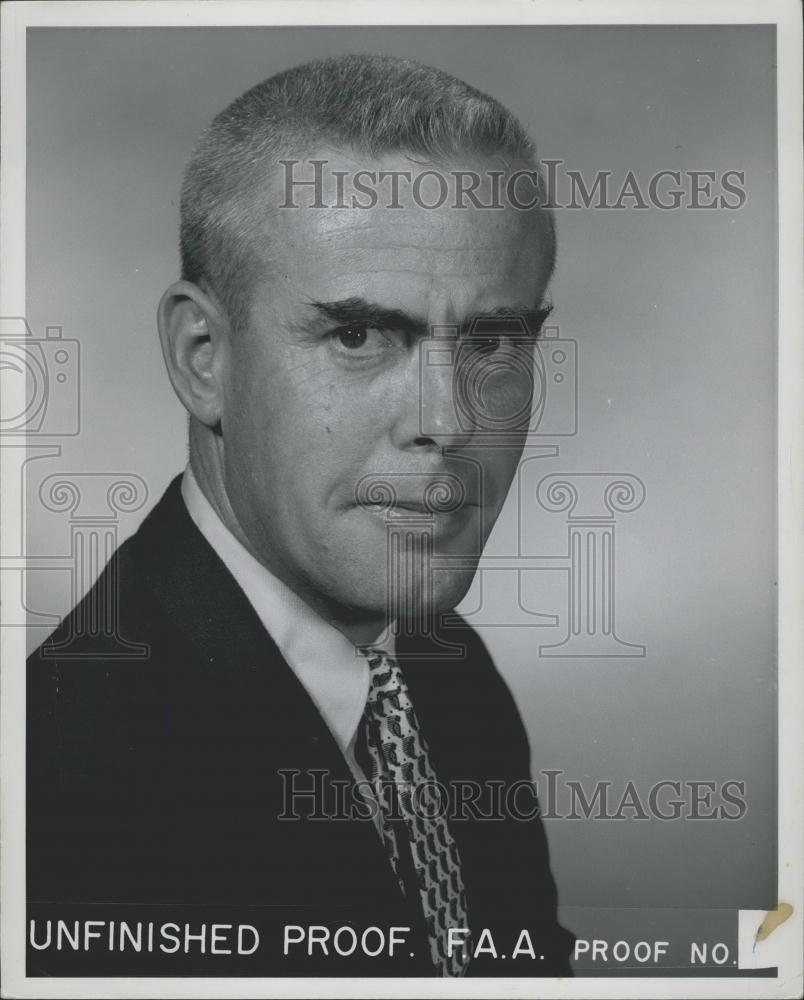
<point>326,662</point>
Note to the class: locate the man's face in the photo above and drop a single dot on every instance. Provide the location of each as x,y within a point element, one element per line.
<point>327,395</point>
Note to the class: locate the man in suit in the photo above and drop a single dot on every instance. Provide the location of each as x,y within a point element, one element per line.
<point>308,749</point>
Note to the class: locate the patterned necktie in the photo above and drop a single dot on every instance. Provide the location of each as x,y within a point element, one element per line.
<point>399,762</point>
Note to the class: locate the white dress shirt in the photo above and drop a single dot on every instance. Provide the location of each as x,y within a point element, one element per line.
<point>327,664</point>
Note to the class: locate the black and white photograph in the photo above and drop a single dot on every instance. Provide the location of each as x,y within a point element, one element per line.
<point>401,499</point>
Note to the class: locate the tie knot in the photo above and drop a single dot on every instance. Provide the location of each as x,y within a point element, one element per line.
<point>385,676</point>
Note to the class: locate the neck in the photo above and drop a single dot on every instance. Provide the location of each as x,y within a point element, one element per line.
<point>206,461</point>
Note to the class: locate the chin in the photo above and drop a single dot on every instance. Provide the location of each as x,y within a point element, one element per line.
<point>410,597</point>
<point>423,600</point>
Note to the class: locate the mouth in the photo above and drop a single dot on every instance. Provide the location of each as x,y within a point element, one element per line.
<point>442,519</point>
<point>419,507</point>
<point>432,507</point>
<point>434,497</point>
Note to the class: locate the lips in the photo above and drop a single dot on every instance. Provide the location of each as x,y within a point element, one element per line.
<point>417,507</point>
<point>412,517</point>
<point>413,493</point>
<point>404,510</point>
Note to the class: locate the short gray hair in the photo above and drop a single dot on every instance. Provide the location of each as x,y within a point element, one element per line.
<point>372,104</point>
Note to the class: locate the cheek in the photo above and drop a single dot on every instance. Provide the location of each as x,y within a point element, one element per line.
<point>308,454</point>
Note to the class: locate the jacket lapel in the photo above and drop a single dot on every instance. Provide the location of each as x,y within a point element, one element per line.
<point>237,654</point>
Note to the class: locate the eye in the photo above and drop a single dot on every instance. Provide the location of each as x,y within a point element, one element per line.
<point>489,336</point>
<point>488,344</point>
<point>359,342</point>
<point>352,337</point>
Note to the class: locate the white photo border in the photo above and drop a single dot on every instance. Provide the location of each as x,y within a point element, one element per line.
<point>786,14</point>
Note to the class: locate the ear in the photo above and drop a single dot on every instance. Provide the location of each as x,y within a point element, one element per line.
<point>195,337</point>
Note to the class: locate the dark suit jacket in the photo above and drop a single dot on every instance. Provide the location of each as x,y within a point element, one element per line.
<point>155,781</point>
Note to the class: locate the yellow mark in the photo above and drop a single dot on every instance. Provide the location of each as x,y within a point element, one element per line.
<point>773,918</point>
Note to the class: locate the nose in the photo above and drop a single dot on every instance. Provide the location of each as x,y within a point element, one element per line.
<point>432,417</point>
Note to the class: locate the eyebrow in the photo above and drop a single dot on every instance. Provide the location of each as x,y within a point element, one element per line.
<point>361,312</point>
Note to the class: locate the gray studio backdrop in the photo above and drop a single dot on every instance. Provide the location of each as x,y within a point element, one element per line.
<point>673,314</point>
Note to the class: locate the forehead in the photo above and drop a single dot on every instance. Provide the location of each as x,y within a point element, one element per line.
<point>407,248</point>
